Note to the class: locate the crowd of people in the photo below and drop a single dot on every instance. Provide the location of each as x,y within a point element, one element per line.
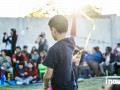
<point>100,64</point>
<point>18,63</point>
<point>23,66</point>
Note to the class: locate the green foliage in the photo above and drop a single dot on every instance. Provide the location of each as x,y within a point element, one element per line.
<point>92,12</point>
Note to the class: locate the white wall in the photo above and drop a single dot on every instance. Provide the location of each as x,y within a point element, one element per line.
<point>29,28</point>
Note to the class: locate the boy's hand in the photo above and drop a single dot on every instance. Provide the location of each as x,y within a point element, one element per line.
<point>22,75</point>
<point>26,73</point>
<point>118,63</point>
<point>34,77</point>
<point>45,87</point>
<point>14,60</point>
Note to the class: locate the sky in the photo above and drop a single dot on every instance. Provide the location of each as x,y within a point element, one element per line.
<point>21,8</point>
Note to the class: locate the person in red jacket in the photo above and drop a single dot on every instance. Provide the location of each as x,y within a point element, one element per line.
<point>33,72</point>
<point>22,75</point>
<point>18,57</point>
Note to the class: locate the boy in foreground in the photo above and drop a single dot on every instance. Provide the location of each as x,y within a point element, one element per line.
<point>59,57</point>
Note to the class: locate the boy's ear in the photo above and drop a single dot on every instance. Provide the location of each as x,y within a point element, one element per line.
<point>54,29</point>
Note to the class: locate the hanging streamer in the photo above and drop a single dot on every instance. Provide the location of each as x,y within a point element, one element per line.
<point>89,35</point>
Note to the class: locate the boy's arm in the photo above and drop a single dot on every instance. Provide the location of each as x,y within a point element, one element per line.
<point>51,61</point>
<point>47,77</point>
<point>73,28</point>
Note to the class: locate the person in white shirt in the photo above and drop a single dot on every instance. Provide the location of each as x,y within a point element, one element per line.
<point>107,61</point>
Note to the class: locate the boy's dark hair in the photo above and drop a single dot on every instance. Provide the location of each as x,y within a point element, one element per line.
<point>75,52</point>
<point>25,46</point>
<point>109,49</point>
<point>116,87</point>
<point>32,62</point>
<point>21,63</point>
<point>35,50</point>
<point>60,23</point>
<point>18,47</point>
<point>118,44</point>
<point>95,48</point>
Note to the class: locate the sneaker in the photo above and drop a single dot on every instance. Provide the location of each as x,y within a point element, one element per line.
<point>19,83</point>
<point>27,83</point>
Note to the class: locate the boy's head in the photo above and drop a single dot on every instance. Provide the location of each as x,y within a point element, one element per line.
<point>21,65</point>
<point>25,48</point>
<point>58,25</point>
<point>77,52</point>
<point>35,51</point>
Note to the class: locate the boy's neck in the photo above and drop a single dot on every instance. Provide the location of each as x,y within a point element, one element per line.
<point>60,36</point>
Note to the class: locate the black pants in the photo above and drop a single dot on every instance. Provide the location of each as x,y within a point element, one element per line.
<point>116,68</point>
<point>75,69</point>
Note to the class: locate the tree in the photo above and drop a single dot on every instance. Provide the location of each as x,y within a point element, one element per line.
<point>92,11</point>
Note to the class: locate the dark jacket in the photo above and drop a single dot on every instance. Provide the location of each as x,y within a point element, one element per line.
<point>117,58</point>
<point>112,58</point>
<point>7,40</point>
<point>14,41</point>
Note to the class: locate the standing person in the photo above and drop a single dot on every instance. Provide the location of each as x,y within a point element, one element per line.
<point>59,58</point>
<point>14,39</point>
<point>42,43</point>
<point>10,42</point>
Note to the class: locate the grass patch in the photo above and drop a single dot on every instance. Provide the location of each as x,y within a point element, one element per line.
<point>88,84</point>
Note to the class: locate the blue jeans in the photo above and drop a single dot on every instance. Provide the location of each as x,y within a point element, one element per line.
<point>24,80</point>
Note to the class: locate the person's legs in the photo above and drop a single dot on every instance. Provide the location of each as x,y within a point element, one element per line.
<point>94,67</point>
<point>79,70</point>
<point>101,65</point>
<point>116,68</point>
<point>112,68</point>
<point>75,69</point>
<point>30,78</point>
<point>19,79</point>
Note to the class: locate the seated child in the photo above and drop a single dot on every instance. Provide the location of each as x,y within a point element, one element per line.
<point>32,72</point>
<point>75,64</point>
<point>42,56</point>
<point>21,75</point>
<point>5,62</point>
<point>86,72</point>
<point>35,55</point>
